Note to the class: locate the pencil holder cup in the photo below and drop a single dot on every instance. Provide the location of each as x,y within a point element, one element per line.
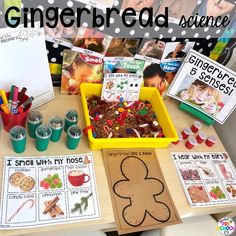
<point>11,120</point>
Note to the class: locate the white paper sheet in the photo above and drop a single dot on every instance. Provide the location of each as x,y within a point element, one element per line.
<point>24,63</point>
<point>31,182</point>
<point>208,179</point>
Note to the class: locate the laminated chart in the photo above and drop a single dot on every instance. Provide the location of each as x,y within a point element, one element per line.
<point>40,191</point>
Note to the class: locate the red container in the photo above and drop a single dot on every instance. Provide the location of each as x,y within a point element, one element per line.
<point>211,141</point>
<point>180,138</point>
<point>196,127</point>
<point>11,120</point>
<point>201,137</point>
<point>185,133</point>
<point>190,143</point>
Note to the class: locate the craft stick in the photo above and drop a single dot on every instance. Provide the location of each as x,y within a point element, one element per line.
<point>51,205</point>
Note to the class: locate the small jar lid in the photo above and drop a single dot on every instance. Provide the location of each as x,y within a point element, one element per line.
<point>74,131</point>
<point>43,131</point>
<point>17,133</point>
<point>35,117</point>
<point>72,115</point>
<point>56,123</point>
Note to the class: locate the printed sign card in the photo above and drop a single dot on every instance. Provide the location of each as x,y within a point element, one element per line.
<point>101,4</point>
<point>80,65</point>
<point>21,51</point>
<point>205,85</point>
<point>122,79</point>
<point>140,197</point>
<point>208,179</point>
<point>40,191</point>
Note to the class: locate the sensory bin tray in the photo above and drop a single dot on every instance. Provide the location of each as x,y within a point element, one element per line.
<point>150,94</point>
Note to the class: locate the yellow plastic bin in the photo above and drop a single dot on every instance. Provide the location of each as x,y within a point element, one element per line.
<point>150,94</point>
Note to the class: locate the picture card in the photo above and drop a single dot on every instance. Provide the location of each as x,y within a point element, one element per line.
<point>101,4</point>
<point>216,8</point>
<point>122,79</point>
<point>208,179</point>
<point>92,40</point>
<point>139,5</point>
<point>177,9</point>
<point>21,51</point>
<point>80,66</point>
<point>161,73</point>
<point>140,197</point>
<point>123,47</point>
<point>206,86</point>
<point>41,191</point>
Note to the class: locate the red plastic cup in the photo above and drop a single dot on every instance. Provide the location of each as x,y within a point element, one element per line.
<point>11,120</point>
<point>190,143</point>
<point>201,137</point>
<point>180,139</point>
<point>196,126</point>
<point>185,133</point>
<point>211,141</point>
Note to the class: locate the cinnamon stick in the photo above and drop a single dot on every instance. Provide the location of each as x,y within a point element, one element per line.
<point>59,210</point>
<point>52,212</point>
<point>51,205</point>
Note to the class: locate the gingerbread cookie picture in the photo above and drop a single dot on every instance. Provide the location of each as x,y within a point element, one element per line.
<point>133,214</point>
<point>140,197</point>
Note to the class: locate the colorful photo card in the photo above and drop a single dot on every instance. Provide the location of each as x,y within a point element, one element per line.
<point>151,48</point>
<point>122,79</point>
<point>206,86</point>
<point>92,40</point>
<point>41,191</point>
<point>101,4</point>
<point>160,73</point>
<point>123,47</point>
<point>208,179</point>
<point>80,66</point>
<point>216,8</point>
<point>139,5</point>
<point>177,9</point>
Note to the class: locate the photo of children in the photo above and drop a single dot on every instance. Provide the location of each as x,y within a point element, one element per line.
<point>92,40</point>
<point>76,70</point>
<point>216,8</point>
<point>153,48</point>
<point>177,50</point>
<point>121,47</point>
<point>177,9</point>
<point>201,95</point>
<point>154,76</point>
<point>61,33</point>
<point>139,5</point>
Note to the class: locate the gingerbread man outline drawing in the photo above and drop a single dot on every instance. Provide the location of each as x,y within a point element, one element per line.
<point>132,213</point>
